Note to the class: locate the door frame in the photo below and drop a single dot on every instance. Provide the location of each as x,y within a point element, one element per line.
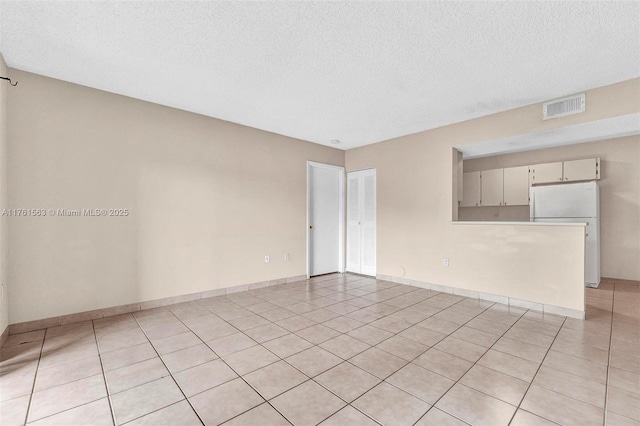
<point>341,217</point>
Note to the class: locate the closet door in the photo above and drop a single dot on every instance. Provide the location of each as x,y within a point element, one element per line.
<point>353,223</point>
<point>361,222</point>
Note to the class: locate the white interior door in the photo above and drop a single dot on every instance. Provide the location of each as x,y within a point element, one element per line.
<point>361,222</point>
<point>325,218</point>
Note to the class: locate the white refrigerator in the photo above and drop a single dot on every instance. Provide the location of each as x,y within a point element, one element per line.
<point>574,202</point>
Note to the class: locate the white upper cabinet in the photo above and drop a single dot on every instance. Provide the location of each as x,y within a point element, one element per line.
<point>546,173</point>
<point>582,170</point>
<point>510,186</point>
<point>516,186</point>
<point>567,171</point>
<point>470,189</point>
<point>492,187</point>
<point>498,187</point>
<point>505,187</point>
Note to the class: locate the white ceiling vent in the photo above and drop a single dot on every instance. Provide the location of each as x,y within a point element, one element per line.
<point>565,106</point>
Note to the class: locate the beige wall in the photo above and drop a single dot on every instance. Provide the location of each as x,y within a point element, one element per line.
<point>619,197</point>
<point>494,213</point>
<point>415,200</point>
<point>4,88</point>
<point>415,232</point>
<point>207,200</point>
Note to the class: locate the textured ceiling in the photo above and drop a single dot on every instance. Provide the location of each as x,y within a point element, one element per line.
<point>358,72</point>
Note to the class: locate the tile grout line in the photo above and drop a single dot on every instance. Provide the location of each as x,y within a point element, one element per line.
<point>151,381</point>
<point>72,381</point>
<point>343,361</point>
<point>572,374</point>
<point>375,346</point>
<point>397,333</point>
<point>464,298</point>
<point>231,368</point>
<point>149,341</point>
<point>462,325</point>
<point>606,388</point>
<point>104,375</point>
<point>586,359</point>
<point>474,364</point>
<point>164,308</point>
<point>168,371</point>
<point>402,308</point>
<point>430,347</point>
<point>35,377</point>
<point>296,368</point>
<point>536,373</point>
<point>346,283</point>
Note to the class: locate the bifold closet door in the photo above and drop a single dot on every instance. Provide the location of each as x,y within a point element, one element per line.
<point>361,222</point>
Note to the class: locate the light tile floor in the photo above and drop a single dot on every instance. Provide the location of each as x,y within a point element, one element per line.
<point>336,350</point>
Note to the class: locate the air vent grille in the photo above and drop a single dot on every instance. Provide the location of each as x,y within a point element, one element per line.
<point>566,106</point>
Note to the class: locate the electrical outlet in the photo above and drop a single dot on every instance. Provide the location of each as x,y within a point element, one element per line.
<point>267,259</point>
<point>445,262</point>
<point>287,257</point>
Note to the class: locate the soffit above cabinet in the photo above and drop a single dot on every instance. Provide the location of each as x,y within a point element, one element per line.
<point>624,125</point>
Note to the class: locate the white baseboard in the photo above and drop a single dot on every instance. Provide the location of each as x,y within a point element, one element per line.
<point>39,324</point>
<point>506,300</point>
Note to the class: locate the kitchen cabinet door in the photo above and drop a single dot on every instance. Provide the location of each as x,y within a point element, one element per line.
<point>546,173</point>
<point>581,170</point>
<point>470,189</point>
<point>492,187</point>
<point>516,186</point>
